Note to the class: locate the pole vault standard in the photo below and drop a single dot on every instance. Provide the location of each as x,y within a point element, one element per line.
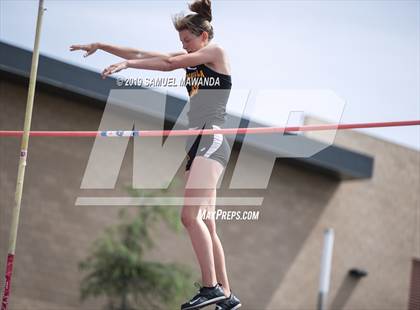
<point>22,160</point>
<point>190,132</point>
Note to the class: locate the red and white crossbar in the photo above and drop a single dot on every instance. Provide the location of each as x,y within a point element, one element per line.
<point>190,132</point>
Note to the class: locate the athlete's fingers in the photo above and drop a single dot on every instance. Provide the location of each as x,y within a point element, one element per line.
<point>112,69</point>
<point>104,73</point>
<point>90,51</point>
<point>75,47</point>
<point>116,69</point>
<point>107,71</point>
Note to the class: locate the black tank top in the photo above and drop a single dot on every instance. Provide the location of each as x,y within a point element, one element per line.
<point>209,92</point>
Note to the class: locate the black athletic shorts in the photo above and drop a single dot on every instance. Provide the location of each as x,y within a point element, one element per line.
<point>213,146</point>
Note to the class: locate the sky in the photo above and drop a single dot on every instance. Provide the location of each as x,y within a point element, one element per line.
<point>365,53</point>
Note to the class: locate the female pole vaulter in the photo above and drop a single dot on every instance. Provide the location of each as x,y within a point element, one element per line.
<point>207,154</point>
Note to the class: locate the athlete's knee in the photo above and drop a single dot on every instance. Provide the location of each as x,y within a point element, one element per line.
<point>189,219</point>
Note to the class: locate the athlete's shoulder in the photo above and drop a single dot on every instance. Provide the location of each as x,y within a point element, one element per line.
<point>214,47</point>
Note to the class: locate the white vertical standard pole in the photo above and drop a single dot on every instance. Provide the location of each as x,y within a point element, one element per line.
<point>324,281</point>
<point>22,161</point>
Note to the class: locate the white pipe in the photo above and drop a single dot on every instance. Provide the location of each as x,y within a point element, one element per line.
<point>325,274</point>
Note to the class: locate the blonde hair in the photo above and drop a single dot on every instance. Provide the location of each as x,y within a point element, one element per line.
<point>198,22</point>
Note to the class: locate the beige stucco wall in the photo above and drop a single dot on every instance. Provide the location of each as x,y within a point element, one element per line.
<point>273,263</point>
<point>376,228</point>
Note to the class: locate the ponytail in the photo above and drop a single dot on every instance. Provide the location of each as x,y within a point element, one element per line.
<point>198,22</point>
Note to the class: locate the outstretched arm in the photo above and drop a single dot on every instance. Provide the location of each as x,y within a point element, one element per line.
<point>134,53</point>
<point>121,51</point>
<point>167,63</point>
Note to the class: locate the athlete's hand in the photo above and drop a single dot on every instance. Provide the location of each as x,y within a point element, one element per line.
<point>114,68</point>
<point>89,48</point>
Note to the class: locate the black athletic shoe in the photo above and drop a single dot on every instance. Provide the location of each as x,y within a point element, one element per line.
<point>206,296</point>
<point>231,303</point>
